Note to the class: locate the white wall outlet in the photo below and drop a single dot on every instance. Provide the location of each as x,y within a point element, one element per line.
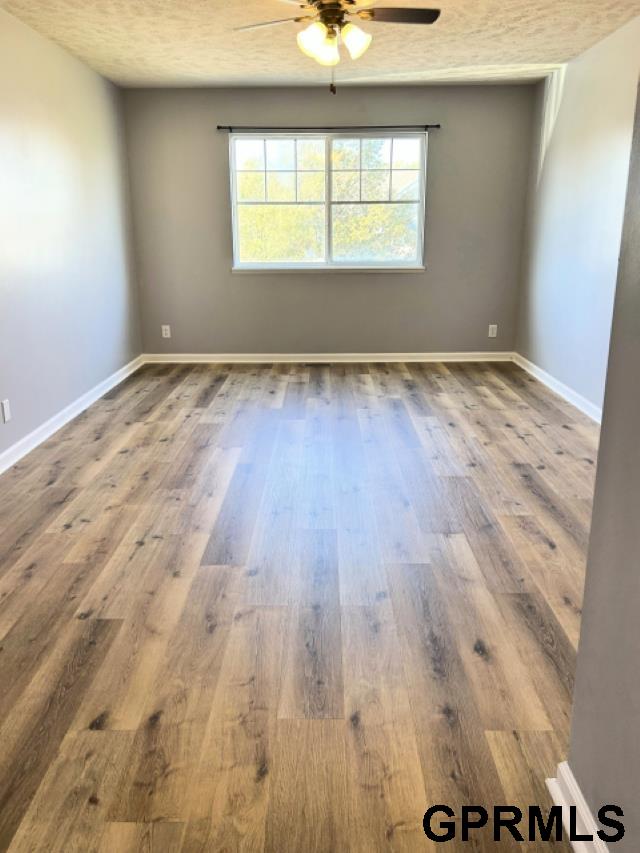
<point>6,411</point>
<point>493,331</point>
<point>166,331</point>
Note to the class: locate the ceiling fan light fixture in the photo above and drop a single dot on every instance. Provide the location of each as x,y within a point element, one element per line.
<point>327,53</point>
<point>311,39</point>
<point>355,40</point>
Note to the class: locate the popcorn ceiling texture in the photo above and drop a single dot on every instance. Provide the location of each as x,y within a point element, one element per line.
<point>191,42</point>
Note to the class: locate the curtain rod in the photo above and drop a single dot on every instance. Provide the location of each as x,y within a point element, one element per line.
<point>422,127</point>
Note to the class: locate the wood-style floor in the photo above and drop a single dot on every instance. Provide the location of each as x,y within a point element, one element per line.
<point>289,607</point>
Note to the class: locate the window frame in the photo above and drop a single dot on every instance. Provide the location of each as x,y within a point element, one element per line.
<point>329,265</point>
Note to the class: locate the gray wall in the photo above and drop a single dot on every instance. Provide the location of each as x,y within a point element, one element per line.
<point>605,742</point>
<point>577,203</point>
<point>477,180</point>
<point>68,314</point>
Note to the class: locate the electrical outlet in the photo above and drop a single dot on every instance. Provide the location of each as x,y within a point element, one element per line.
<point>166,331</point>
<point>493,331</point>
<point>6,411</point>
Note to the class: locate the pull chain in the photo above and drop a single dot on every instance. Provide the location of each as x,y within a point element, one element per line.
<point>332,85</point>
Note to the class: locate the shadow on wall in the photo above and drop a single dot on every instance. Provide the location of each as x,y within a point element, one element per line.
<point>553,93</point>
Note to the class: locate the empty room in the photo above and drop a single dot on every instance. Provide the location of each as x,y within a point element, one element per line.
<point>319,445</point>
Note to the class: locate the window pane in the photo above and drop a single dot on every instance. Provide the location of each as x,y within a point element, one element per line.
<point>345,154</point>
<point>281,186</point>
<point>346,186</point>
<point>376,153</point>
<point>405,186</point>
<point>406,153</point>
<point>311,154</point>
<point>281,154</point>
<point>250,186</point>
<point>249,153</point>
<point>375,233</point>
<point>311,186</point>
<point>280,215</point>
<point>287,233</point>
<point>375,186</point>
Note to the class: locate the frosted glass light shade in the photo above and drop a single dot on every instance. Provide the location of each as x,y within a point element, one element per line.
<point>327,53</point>
<point>311,38</point>
<point>356,40</point>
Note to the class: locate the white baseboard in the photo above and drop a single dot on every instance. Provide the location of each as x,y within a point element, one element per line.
<point>551,382</point>
<point>14,453</point>
<point>565,792</point>
<point>25,445</point>
<point>322,357</point>
<point>571,396</point>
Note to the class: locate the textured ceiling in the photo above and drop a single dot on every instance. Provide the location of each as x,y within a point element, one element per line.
<point>182,42</point>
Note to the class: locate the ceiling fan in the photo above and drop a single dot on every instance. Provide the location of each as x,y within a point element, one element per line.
<point>330,24</point>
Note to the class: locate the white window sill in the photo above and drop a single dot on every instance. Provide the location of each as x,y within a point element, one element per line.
<point>248,270</point>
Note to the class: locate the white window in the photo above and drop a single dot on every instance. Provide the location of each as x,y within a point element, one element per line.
<point>328,201</point>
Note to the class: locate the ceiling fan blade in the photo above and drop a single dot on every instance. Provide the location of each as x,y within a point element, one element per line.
<point>271,24</point>
<point>403,16</point>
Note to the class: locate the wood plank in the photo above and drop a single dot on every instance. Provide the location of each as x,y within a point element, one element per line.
<point>546,651</point>
<point>386,788</point>
<point>456,762</point>
<point>21,584</point>
<point>69,808</point>
<point>553,508</point>
<point>312,682</point>
<point>27,645</point>
<point>501,566</point>
<point>32,732</point>
<point>230,792</point>
<point>27,525</point>
<point>260,607</point>
<point>361,567</point>
<point>119,694</point>
<point>551,570</point>
<point>273,560</point>
<point>231,535</point>
<point>399,534</point>
<point>505,692</point>
<point>166,750</point>
<point>308,802</point>
<point>158,837</point>
<point>524,760</point>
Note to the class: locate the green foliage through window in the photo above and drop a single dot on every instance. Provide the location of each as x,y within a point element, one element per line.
<point>328,200</point>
